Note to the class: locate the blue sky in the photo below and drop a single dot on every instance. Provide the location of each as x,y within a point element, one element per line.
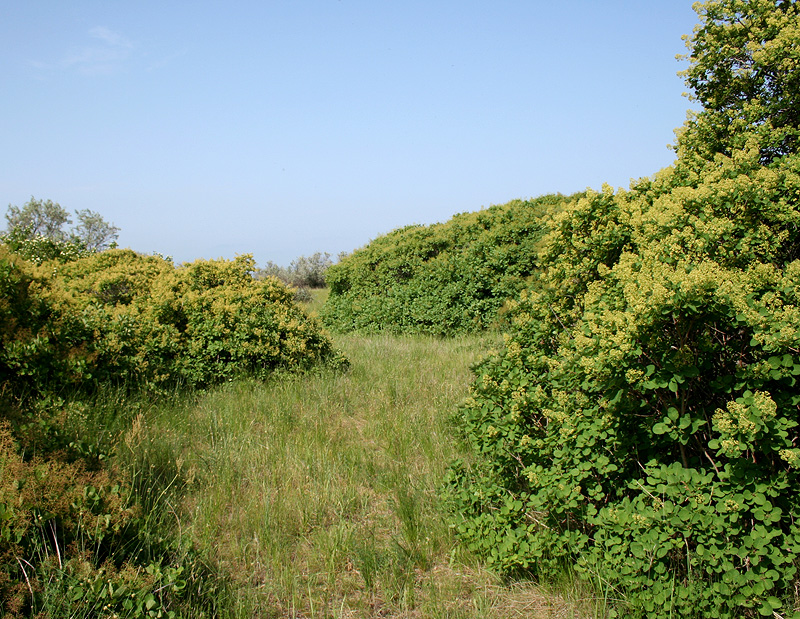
<point>284,127</point>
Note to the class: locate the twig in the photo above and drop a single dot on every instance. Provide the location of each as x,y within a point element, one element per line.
<point>711,460</point>
<point>55,541</point>
<point>556,315</point>
<point>24,573</point>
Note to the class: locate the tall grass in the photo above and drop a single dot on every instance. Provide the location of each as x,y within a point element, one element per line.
<point>316,495</point>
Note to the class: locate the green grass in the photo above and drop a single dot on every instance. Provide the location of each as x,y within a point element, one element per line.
<point>317,495</point>
<point>318,298</point>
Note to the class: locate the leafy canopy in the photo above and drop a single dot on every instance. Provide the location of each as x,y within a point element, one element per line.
<point>40,225</point>
<point>745,71</point>
<point>39,218</point>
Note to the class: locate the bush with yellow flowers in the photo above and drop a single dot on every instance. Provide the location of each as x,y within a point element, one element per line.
<point>74,540</point>
<point>642,422</point>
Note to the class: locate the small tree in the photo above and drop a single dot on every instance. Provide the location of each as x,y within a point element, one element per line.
<point>36,232</point>
<point>95,232</point>
<point>38,218</point>
<point>272,269</point>
<point>309,271</point>
<point>303,272</point>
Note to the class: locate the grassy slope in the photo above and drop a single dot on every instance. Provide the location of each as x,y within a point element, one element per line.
<point>319,493</point>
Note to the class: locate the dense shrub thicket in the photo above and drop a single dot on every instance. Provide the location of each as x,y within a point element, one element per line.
<point>641,422</point>
<point>73,538</point>
<point>445,278</point>
<point>121,316</point>
<point>199,323</point>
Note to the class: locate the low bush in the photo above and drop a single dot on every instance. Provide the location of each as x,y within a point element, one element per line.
<point>196,324</point>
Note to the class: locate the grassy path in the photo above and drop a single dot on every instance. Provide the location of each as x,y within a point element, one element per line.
<point>319,493</point>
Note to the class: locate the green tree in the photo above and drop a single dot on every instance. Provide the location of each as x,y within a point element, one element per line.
<point>745,71</point>
<point>94,231</point>
<point>36,231</point>
<point>38,218</point>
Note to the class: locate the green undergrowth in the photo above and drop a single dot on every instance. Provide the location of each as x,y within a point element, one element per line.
<point>86,345</point>
<point>318,495</point>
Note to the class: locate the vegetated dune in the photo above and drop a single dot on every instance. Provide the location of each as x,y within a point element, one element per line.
<point>76,534</point>
<point>444,278</point>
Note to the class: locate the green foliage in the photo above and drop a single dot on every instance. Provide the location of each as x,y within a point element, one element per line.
<point>197,324</point>
<point>39,249</point>
<point>440,279</point>
<point>72,539</point>
<point>120,316</point>
<point>641,422</point>
<point>42,337</point>
<point>303,273</point>
<point>644,410</point>
<point>318,492</point>
<point>39,218</point>
<point>77,541</point>
<point>54,515</point>
<point>94,231</point>
<point>744,71</point>
<point>36,232</point>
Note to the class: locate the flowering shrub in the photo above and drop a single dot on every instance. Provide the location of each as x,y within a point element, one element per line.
<point>642,418</point>
<point>43,339</point>
<point>198,324</point>
<point>641,422</point>
<point>70,532</point>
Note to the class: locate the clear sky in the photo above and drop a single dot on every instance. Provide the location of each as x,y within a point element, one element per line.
<point>285,127</point>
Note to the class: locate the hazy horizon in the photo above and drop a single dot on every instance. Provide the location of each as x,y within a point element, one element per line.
<point>285,128</point>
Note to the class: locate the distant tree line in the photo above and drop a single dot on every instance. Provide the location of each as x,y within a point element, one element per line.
<point>302,272</point>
